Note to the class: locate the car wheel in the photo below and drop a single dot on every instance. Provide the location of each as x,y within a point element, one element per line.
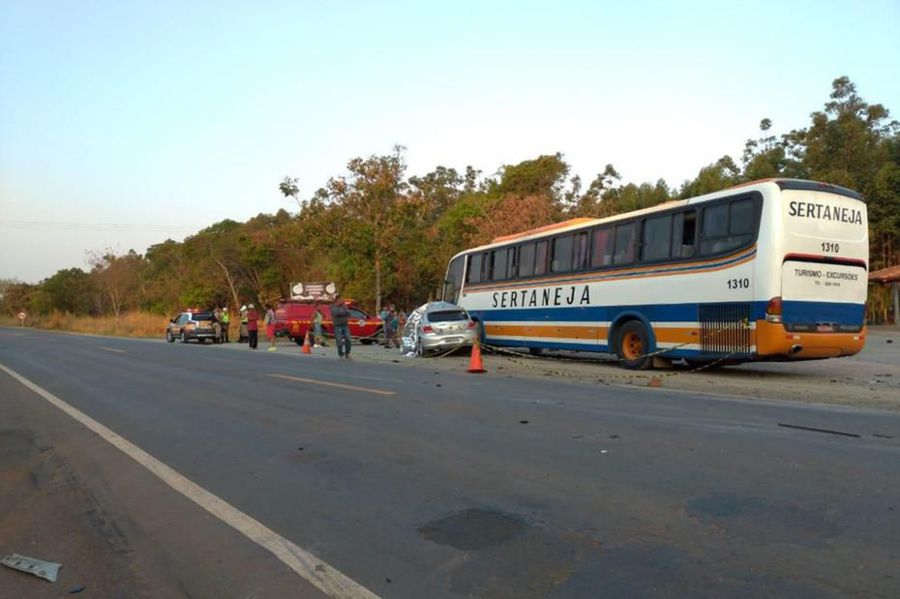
<point>379,337</point>
<point>420,349</point>
<point>183,338</point>
<point>169,337</point>
<point>633,345</point>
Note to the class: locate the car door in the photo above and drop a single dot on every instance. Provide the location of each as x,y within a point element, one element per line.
<point>362,325</point>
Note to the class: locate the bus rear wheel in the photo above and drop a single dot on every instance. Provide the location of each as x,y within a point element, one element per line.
<point>632,345</point>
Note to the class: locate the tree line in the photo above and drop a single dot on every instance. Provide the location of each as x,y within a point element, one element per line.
<point>385,235</point>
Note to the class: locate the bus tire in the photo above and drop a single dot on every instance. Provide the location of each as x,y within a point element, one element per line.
<point>536,351</point>
<point>632,345</point>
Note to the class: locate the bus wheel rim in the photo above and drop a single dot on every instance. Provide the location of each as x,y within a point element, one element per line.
<point>632,346</point>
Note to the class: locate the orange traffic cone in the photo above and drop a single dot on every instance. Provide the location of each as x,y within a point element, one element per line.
<point>306,349</point>
<point>476,366</point>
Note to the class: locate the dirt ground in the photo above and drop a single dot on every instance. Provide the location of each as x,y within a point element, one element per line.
<point>870,379</point>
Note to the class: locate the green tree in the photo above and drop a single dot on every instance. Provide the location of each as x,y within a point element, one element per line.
<point>715,177</point>
<point>69,290</point>
<point>544,176</point>
<point>368,198</point>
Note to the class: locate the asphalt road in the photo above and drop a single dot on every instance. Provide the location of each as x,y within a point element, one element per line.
<point>417,482</point>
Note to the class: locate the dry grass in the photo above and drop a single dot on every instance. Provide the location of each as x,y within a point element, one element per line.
<point>132,324</point>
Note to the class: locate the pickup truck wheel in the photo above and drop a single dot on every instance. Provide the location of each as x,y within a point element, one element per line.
<point>169,337</point>
<point>183,338</point>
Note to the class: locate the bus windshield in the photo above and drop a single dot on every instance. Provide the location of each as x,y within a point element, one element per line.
<point>453,282</point>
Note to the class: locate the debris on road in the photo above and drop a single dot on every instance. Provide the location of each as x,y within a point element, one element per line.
<point>77,589</point>
<point>32,565</point>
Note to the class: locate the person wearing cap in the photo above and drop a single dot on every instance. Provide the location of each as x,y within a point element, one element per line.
<point>252,326</point>
<point>242,330</point>
<point>340,317</point>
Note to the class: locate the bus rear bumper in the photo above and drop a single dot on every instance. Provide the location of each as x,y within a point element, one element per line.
<point>774,342</point>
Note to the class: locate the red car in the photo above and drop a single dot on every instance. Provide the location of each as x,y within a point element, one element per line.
<point>293,319</point>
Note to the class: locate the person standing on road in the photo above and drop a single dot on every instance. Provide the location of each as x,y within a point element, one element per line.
<point>318,340</point>
<point>252,326</point>
<point>389,320</point>
<point>225,321</point>
<point>270,327</point>
<point>217,324</point>
<point>340,316</point>
<point>243,335</point>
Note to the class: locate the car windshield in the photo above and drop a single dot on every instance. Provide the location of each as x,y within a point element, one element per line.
<point>447,315</point>
<point>202,316</point>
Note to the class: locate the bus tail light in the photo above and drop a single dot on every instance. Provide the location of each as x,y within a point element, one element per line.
<point>774,310</point>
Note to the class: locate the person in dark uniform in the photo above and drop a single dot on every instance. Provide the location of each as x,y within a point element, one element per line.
<point>340,316</point>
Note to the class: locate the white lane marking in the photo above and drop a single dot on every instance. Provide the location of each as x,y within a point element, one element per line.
<point>120,351</point>
<point>288,377</point>
<point>329,580</point>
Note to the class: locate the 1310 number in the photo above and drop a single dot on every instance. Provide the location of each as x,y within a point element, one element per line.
<point>831,247</point>
<point>739,283</point>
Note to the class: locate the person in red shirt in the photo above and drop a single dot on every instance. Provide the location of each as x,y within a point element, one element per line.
<point>252,326</point>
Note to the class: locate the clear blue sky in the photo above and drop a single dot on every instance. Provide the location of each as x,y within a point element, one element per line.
<point>125,123</point>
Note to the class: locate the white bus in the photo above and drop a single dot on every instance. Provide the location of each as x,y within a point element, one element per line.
<point>770,270</point>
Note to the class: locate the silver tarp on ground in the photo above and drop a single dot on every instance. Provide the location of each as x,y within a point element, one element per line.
<point>410,334</point>
<point>32,565</point>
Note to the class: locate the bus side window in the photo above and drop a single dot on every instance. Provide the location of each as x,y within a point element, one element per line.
<point>562,254</point>
<point>602,251</point>
<point>526,260</point>
<point>540,257</point>
<point>498,265</point>
<point>512,263</point>
<point>625,238</point>
<point>742,221</point>
<point>581,251</point>
<point>728,226</point>
<point>684,228</point>
<point>473,275</point>
<point>657,238</point>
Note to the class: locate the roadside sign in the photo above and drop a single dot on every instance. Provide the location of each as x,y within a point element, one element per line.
<point>22,316</point>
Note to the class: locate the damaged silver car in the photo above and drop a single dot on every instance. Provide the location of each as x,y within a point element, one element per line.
<point>438,327</point>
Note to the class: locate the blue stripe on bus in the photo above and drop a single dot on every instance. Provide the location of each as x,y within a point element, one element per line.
<point>652,312</point>
<point>793,311</point>
<point>811,312</point>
